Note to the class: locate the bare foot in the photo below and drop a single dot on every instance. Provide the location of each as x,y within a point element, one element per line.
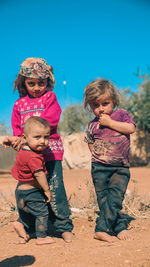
<point>105,237</point>
<point>68,237</point>
<point>19,240</point>
<point>19,228</point>
<point>124,235</point>
<point>45,240</point>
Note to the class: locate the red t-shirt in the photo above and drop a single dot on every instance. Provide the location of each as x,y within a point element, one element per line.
<point>27,163</point>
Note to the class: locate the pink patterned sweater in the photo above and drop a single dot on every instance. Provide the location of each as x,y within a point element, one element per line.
<point>46,107</point>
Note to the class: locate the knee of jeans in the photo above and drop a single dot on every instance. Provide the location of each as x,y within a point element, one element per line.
<point>41,227</point>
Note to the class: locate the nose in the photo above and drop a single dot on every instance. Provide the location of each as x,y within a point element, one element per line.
<point>101,109</point>
<point>41,141</point>
<point>36,87</point>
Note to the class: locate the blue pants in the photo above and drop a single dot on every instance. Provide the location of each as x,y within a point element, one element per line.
<point>59,211</point>
<point>33,211</point>
<point>110,186</point>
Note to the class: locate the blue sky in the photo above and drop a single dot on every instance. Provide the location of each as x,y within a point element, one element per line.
<point>81,39</point>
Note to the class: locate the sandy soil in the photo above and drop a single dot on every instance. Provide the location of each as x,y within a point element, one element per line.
<point>84,250</point>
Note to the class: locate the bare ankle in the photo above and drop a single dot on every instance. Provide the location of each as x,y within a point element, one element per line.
<point>19,228</point>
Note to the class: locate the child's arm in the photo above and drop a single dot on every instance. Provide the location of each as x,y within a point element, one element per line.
<point>52,111</point>
<point>41,178</point>
<point>122,127</point>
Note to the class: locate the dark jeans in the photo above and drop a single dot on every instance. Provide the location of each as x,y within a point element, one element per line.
<point>33,211</point>
<point>110,186</point>
<point>59,211</point>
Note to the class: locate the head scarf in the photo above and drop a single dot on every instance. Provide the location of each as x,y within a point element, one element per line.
<point>38,68</point>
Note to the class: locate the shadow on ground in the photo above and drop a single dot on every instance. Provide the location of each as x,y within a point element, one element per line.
<point>18,261</point>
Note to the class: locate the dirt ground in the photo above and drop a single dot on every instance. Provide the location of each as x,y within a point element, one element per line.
<point>84,251</point>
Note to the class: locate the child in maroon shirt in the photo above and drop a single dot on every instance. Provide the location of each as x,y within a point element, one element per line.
<point>108,138</point>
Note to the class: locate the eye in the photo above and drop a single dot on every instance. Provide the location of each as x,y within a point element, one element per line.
<point>105,103</point>
<point>95,105</point>
<point>31,84</point>
<point>37,137</point>
<point>46,137</point>
<point>41,83</point>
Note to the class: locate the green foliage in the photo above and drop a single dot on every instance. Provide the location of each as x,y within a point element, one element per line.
<point>127,101</point>
<point>74,119</point>
<point>138,105</point>
<point>141,102</point>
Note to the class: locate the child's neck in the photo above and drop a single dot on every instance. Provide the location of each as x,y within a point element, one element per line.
<point>27,147</point>
<point>32,97</point>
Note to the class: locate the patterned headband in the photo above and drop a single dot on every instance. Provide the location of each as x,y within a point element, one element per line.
<point>38,68</point>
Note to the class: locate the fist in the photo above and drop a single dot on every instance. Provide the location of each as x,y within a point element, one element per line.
<point>104,120</point>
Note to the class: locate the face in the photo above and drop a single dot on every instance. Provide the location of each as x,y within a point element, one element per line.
<point>38,137</point>
<point>36,87</point>
<point>102,105</point>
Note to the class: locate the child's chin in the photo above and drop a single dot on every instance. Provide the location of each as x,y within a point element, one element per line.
<point>38,149</point>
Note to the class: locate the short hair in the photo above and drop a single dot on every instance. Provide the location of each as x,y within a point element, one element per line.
<point>35,120</point>
<point>19,84</point>
<point>97,88</point>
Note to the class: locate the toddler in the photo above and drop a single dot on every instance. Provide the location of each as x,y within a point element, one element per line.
<point>32,192</point>
<point>108,138</point>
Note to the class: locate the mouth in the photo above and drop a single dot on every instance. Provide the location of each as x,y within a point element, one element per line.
<point>37,93</point>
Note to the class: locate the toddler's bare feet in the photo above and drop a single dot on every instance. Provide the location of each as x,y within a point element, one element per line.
<point>124,235</point>
<point>45,240</point>
<point>68,237</point>
<point>103,236</point>
<point>23,237</point>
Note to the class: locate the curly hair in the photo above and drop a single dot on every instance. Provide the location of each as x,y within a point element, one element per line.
<point>97,88</point>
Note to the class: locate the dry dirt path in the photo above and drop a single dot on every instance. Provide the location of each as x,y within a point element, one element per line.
<point>84,251</point>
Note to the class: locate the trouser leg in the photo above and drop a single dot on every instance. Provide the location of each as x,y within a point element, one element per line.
<point>25,218</point>
<point>58,207</point>
<point>110,186</point>
<point>121,222</point>
<point>33,209</point>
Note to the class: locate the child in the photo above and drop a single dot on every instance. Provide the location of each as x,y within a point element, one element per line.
<point>108,138</point>
<point>35,83</point>
<point>30,169</point>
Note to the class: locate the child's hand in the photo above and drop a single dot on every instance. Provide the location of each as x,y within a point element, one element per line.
<point>13,141</point>
<point>48,195</point>
<point>105,120</point>
<point>16,144</point>
<point>9,140</point>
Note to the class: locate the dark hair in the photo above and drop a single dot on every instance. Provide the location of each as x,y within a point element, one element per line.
<point>97,88</point>
<point>19,84</point>
<point>35,120</point>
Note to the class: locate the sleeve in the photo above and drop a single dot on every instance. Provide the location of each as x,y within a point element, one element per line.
<point>16,121</point>
<point>89,138</point>
<point>126,117</point>
<point>36,164</point>
<point>53,110</point>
